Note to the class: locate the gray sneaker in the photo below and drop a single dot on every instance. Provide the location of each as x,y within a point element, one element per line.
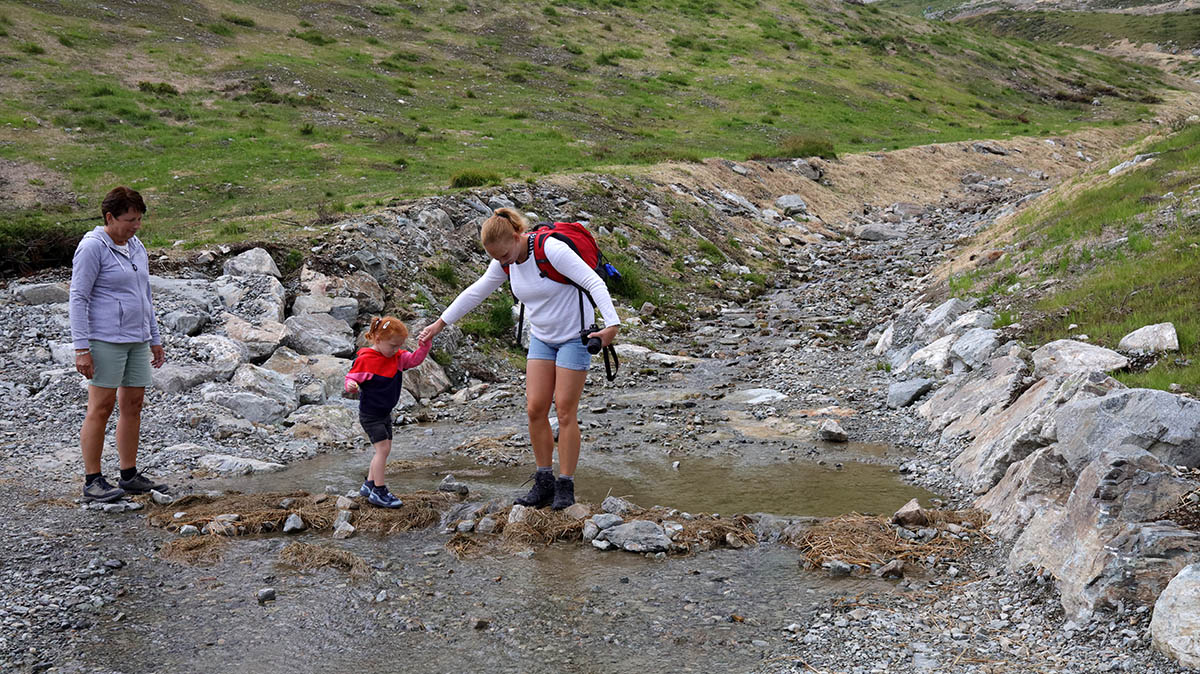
<point>140,484</point>
<point>100,490</point>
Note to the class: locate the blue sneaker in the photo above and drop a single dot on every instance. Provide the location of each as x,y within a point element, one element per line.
<point>380,496</point>
<point>365,490</point>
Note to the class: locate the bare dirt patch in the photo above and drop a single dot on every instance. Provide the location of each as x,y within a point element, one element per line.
<point>29,185</point>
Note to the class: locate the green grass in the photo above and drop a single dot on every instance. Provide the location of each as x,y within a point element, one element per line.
<point>444,272</point>
<point>493,319</point>
<point>419,100</point>
<point>1111,287</point>
<point>1094,28</point>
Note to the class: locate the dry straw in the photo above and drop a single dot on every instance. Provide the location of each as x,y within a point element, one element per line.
<point>308,556</point>
<point>195,550</point>
<point>868,539</point>
<point>259,513</point>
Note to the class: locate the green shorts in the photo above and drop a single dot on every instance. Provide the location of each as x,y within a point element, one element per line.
<point>120,364</point>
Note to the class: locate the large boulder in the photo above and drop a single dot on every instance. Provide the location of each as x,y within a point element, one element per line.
<point>362,287</point>
<point>938,322</point>
<point>1163,424</point>
<point>221,354</point>
<point>327,424</point>
<point>268,383</point>
<point>252,406</point>
<point>185,321</point>
<point>1065,356</point>
<point>792,204</point>
<point>176,378</point>
<point>903,393</point>
<point>260,340</point>
<point>1175,626</point>
<point>329,371</point>
<point>312,334</point>
<point>933,358</point>
<point>1151,339</point>
<point>1099,545</point>
<point>965,403</point>
<point>1016,431</point>
<point>41,293</point>
<point>637,536</point>
<point>426,380</point>
<point>974,348</point>
<point>251,262</point>
<point>877,231</point>
<point>345,308</point>
<point>196,293</point>
<point>253,298</point>
<point>435,219</point>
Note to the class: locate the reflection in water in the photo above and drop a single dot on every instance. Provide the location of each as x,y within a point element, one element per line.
<point>699,485</point>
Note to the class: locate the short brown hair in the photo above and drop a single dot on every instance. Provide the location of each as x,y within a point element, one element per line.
<point>504,223</point>
<point>121,200</point>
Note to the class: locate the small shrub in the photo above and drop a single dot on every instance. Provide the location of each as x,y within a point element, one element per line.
<point>307,129</point>
<point>496,320</point>
<point>158,88</point>
<point>807,145</point>
<point>709,250</point>
<point>382,10</point>
<point>102,90</point>
<point>232,229</point>
<point>474,178</point>
<point>239,20</point>
<point>444,272</point>
<point>549,10</point>
<point>515,77</point>
<point>441,357</point>
<point>66,41</point>
<point>31,48</point>
<point>313,37</point>
<point>220,29</point>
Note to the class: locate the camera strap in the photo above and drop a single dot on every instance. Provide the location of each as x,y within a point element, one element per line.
<point>610,368</point>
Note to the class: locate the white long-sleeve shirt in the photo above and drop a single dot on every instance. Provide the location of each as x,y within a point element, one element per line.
<point>551,308</point>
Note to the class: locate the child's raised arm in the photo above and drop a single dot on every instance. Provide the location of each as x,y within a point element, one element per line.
<point>410,360</point>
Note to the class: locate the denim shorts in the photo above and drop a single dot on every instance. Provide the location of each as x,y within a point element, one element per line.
<point>571,355</point>
<point>120,364</point>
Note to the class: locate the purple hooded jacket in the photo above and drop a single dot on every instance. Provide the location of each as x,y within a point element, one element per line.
<point>110,293</point>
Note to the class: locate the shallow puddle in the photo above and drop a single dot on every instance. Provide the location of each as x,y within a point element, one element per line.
<point>697,485</point>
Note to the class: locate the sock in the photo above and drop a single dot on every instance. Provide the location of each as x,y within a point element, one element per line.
<point>91,477</point>
<point>567,477</point>
<point>128,473</point>
<point>381,488</point>
<point>545,469</point>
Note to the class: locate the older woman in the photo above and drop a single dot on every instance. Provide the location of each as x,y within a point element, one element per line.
<point>557,363</point>
<point>116,340</point>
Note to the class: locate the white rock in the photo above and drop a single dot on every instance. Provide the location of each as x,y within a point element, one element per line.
<point>1065,356</point>
<point>1175,627</point>
<point>1151,339</point>
<point>253,261</point>
<point>755,396</point>
<point>235,465</point>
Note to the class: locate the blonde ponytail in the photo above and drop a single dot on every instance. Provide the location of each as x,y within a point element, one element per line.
<point>503,223</point>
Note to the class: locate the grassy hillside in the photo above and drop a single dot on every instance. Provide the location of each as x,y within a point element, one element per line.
<point>240,115</point>
<point>1117,253</point>
<point>1098,29</point>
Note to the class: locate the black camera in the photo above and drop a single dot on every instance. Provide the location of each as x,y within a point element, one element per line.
<point>593,344</point>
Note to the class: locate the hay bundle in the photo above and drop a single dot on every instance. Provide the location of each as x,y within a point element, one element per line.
<point>195,550</point>
<point>1186,514</point>
<point>263,512</point>
<point>421,509</point>
<point>463,546</point>
<point>306,556</point>
<point>541,527</point>
<point>972,518</point>
<point>865,540</point>
<point>707,532</point>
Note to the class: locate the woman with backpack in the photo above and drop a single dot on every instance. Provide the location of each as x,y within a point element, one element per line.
<point>558,359</point>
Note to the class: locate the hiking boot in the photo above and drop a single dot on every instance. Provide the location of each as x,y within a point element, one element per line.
<point>101,491</point>
<point>140,484</point>
<point>564,493</point>
<point>380,496</point>
<point>541,493</point>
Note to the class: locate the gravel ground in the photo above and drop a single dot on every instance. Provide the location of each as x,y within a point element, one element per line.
<point>85,591</point>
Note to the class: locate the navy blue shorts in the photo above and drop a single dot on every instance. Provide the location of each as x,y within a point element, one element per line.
<point>377,428</point>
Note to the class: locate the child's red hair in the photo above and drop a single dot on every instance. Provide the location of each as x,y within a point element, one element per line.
<point>386,327</point>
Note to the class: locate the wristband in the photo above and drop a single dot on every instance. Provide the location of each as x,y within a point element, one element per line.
<point>80,352</point>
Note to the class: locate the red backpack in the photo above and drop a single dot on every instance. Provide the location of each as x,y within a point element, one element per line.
<point>580,240</point>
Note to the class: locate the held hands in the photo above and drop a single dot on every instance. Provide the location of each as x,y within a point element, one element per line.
<point>430,331</point>
<point>157,356</point>
<point>607,335</point>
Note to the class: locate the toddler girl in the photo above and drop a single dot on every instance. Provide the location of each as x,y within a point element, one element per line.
<point>376,376</point>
